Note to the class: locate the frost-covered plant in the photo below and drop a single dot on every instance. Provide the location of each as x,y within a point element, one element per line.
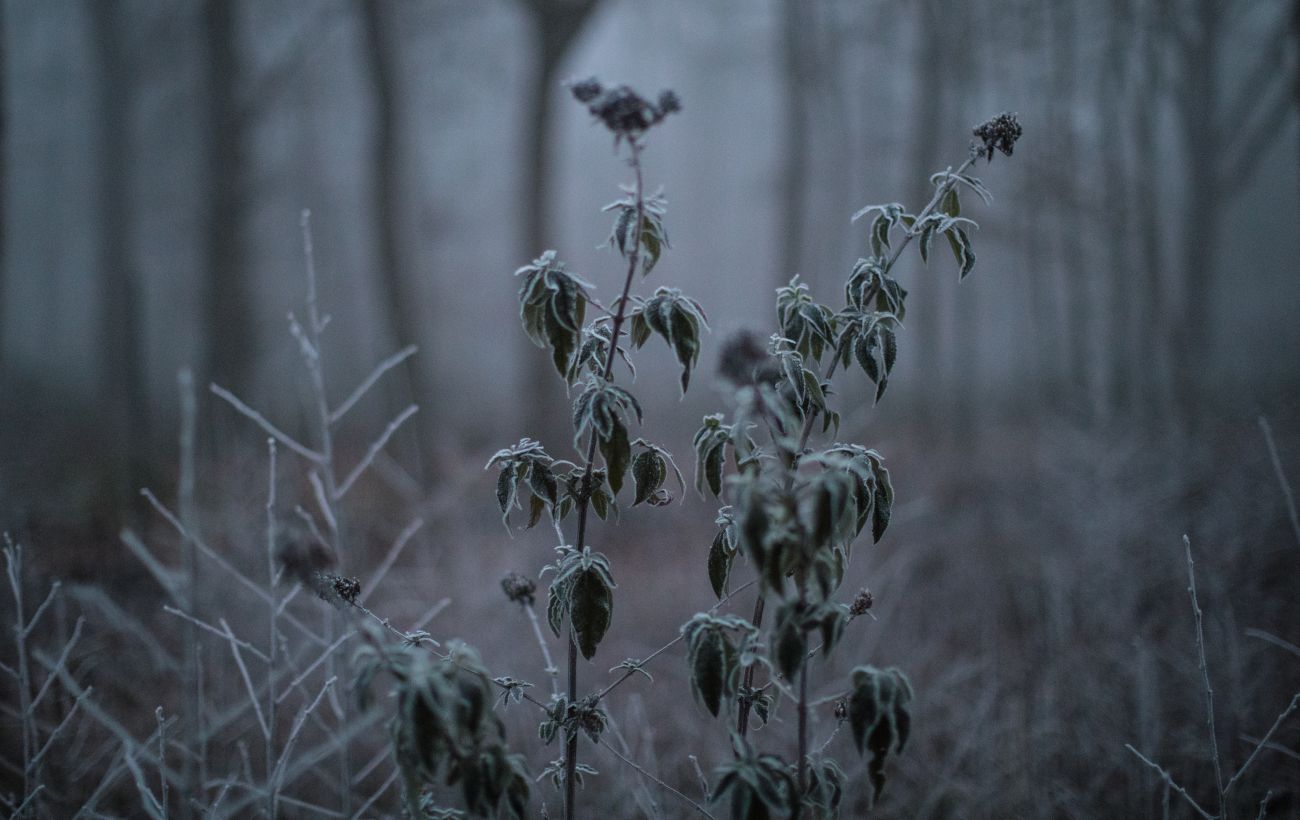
<point>554,305</point>
<point>798,499</point>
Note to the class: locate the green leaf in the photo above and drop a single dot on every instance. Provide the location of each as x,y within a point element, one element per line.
<point>617,452</point>
<point>591,606</point>
<point>557,601</point>
<point>648,472</point>
<point>961,250</point>
<point>713,468</point>
<point>720,559</point>
<point>790,647</point>
<point>708,670</point>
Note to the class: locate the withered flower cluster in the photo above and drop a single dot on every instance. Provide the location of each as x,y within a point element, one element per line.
<point>999,133</point>
<point>623,111</point>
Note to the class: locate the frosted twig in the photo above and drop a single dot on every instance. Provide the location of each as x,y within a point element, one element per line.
<point>219,633</point>
<point>1281,477</point>
<point>1274,747</point>
<point>642,662</point>
<point>248,681</point>
<point>146,795</point>
<point>184,532</point>
<point>394,552</point>
<point>552,671</point>
<point>58,730</point>
<point>378,445</point>
<point>306,673</point>
<point>18,812</point>
<point>379,792</point>
<point>1281,718</point>
<point>40,610</point>
<point>1275,640</point>
<point>60,664</point>
<point>653,779</point>
<point>387,364</point>
<point>162,759</point>
<point>323,503</point>
<point>166,578</point>
<point>298,722</point>
<point>271,430</point>
<point>1263,805</point>
<point>1205,679</point>
<point>704,781</point>
<point>1169,783</point>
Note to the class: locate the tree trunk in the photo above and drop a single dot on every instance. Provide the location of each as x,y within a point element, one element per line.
<point>404,309</point>
<point>1152,336</point>
<point>1116,207</point>
<point>1196,339</point>
<point>1068,216</point>
<point>122,382</point>
<point>555,25</point>
<point>229,323</point>
<point>924,305</point>
<point>794,169</point>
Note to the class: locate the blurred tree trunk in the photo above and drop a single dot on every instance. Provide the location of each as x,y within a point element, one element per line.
<point>1225,133</point>
<point>795,68</point>
<point>1065,172</point>
<point>228,308</point>
<point>1113,77</point>
<point>405,311</point>
<point>1044,348</point>
<point>1153,304</point>
<point>122,384</point>
<point>555,25</point>
<point>965,382</point>
<point>928,106</point>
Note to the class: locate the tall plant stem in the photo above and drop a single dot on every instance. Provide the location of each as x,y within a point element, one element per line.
<point>620,314</point>
<point>742,718</point>
<point>803,738</point>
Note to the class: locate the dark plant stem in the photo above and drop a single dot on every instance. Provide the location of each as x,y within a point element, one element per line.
<point>620,314</point>
<point>803,738</point>
<point>742,719</point>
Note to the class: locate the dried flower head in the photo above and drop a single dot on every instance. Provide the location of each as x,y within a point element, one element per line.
<point>999,133</point>
<point>519,588</point>
<point>302,556</point>
<point>842,709</point>
<point>623,111</point>
<point>861,603</point>
<point>338,590</point>
<point>744,360</point>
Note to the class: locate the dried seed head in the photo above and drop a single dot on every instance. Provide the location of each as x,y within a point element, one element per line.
<point>519,588</point>
<point>744,360</point>
<point>623,111</point>
<point>861,603</point>
<point>842,709</point>
<point>999,133</point>
<point>338,590</point>
<point>584,91</point>
<point>302,556</point>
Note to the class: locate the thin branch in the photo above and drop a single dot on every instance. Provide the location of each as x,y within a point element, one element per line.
<point>643,661</point>
<point>378,793</point>
<point>375,375</point>
<point>219,633</point>
<point>1205,679</point>
<point>1275,640</point>
<point>374,450</point>
<point>649,776</point>
<point>248,681</point>
<point>1169,782</point>
<point>271,430</point>
<point>1282,716</point>
<point>1267,430</point>
<point>552,671</point>
<point>166,578</point>
<point>385,565</point>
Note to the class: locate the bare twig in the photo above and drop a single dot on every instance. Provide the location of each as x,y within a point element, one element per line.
<point>1205,679</point>
<point>271,430</point>
<point>1281,718</point>
<point>394,552</point>
<point>1267,430</point>
<point>383,367</point>
<point>1170,784</point>
<point>378,445</point>
<point>653,779</point>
